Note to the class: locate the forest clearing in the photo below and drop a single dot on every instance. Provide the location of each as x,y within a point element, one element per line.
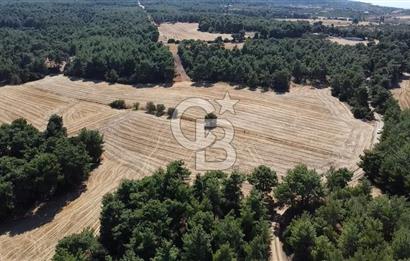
<point>344,41</point>
<point>306,125</point>
<point>182,31</point>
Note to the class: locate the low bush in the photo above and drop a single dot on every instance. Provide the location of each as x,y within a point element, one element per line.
<point>172,113</point>
<point>118,104</point>
<point>150,108</point>
<point>160,110</point>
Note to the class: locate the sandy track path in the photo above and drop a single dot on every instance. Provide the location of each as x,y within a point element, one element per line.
<point>180,74</point>
<point>182,31</point>
<point>304,126</point>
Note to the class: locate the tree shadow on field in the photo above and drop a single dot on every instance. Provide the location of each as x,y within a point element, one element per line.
<point>135,85</point>
<point>40,214</point>
<point>202,84</point>
<point>404,77</point>
<point>151,85</point>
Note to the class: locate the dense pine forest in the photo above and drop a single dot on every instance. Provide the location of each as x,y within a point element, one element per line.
<point>116,43</point>
<point>176,214</point>
<point>356,74</point>
<point>35,166</point>
<point>161,217</point>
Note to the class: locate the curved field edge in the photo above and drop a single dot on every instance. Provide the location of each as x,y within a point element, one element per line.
<point>304,126</point>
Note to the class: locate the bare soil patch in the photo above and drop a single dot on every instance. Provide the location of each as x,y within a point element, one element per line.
<point>180,74</point>
<point>305,125</point>
<point>344,41</point>
<point>185,31</point>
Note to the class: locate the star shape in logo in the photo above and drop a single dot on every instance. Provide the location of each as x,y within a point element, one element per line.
<point>227,104</point>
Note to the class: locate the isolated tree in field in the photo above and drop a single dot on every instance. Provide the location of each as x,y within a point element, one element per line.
<point>118,104</point>
<point>160,110</point>
<point>136,106</point>
<point>401,243</point>
<point>263,179</point>
<point>55,127</point>
<point>172,113</point>
<point>301,236</point>
<point>150,108</point>
<point>301,186</point>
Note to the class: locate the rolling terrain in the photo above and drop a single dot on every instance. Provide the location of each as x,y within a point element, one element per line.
<point>304,126</point>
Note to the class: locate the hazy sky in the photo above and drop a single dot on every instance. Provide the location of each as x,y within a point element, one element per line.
<point>392,3</point>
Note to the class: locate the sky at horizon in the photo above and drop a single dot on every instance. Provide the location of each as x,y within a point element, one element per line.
<point>390,3</point>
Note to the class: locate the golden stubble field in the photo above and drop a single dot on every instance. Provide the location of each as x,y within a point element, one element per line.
<point>182,31</point>
<point>305,125</point>
<point>402,94</point>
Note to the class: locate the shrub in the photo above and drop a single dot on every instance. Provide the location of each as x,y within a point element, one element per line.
<point>160,110</point>
<point>210,121</point>
<point>118,104</point>
<point>171,40</point>
<point>210,116</point>
<point>172,113</point>
<point>136,106</point>
<point>150,108</point>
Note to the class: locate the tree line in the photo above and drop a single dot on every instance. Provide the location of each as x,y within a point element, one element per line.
<point>35,165</point>
<point>388,164</point>
<point>193,10</point>
<point>162,217</point>
<point>104,41</point>
<point>357,74</point>
<point>349,224</point>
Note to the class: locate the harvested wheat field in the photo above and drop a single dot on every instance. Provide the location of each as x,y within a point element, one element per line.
<point>325,21</point>
<point>304,126</point>
<point>402,94</point>
<point>344,41</point>
<point>182,31</point>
